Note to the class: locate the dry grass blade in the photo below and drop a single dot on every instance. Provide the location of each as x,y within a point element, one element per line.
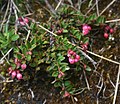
<point>117,84</point>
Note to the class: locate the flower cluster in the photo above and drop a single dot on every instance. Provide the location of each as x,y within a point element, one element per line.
<point>73,57</point>
<point>86,29</point>
<point>60,31</point>
<point>23,21</point>
<point>108,30</point>
<point>15,72</point>
<point>84,46</point>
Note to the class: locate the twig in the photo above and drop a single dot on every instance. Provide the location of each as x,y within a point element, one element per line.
<point>15,11</point>
<point>50,7</point>
<point>9,14</point>
<point>6,54</point>
<point>97,7</point>
<point>115,20</point>
<point>107,7</point>
<point>5,57</point>
<point>117,84</point>
<point>88,86</point>
<point>5,15</point>
<point>100,88</point>
<point>32,93</point>
<point>91,8</point>
<point>7,81</point>
<point>15,6</point>
<point>27,36</point>
<point>115,62</point>
<point>58,5</point>
<point>80,91</point>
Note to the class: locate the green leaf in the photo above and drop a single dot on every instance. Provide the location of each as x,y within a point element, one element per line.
<point>58,84</point>
<point>55,74</point>
<point>67,83</point>
<point>92,17</point>
<point>100,20</point>
<point>33,46</point>
<point>16,49</point>
<point>81,18</point>
<point>88,68</point>
<point>28,57</point>
<point>60,57</point>
<point>65,31</point>
<point>14,37</point>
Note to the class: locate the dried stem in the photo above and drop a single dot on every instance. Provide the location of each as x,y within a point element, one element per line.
<point>5,55</point>
<point>107,7</point>
<point>5,15</point>
<point>117,84</point>
<point>97,7</point>
<point>50,7</point>
<point>88,86</point>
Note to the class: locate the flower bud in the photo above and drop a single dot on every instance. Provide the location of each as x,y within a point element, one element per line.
<point>19,76</point>
<point>89,28</point>
<point>26,20</point>
<point>71,61</point>
<point>66,94</point>
<point>106,35</point>
<point>111,30</point>
<point>13,74</point>
<point>85,32</point>
<point>85,27</point>
<point>23,66</point>
<point>77,57</point>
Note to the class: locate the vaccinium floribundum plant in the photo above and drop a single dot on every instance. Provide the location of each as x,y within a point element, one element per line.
<point>60,55</point>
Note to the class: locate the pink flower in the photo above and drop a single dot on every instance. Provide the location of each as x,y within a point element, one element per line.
<point>76,60</point>
<point>85,46</point>
<point>107,28</point>
<point>85,32</point>
<point>106,35</point>
<point>73,57</point>
<point>85,27</point>
<point>26,20</point>
<point>60,31</point>
<point>29,53</point>
<point>77,57</point>
<point>66,94</point>
<point>23,66</point>
<point>19,76</point>
<point>13,74</point>
<point>16,60</point>
<point>23,21</point>
<point>10,70</point>
<point>89,28</point>
<point>18,64</point>
<point>111,30</point>
<point>71,61</point>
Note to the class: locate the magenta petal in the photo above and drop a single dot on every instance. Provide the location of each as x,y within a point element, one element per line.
<point>71,61</point>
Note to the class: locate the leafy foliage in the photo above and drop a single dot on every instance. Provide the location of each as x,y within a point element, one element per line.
<point>44,49</point>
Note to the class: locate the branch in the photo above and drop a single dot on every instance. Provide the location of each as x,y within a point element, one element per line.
<point>112,61</point>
